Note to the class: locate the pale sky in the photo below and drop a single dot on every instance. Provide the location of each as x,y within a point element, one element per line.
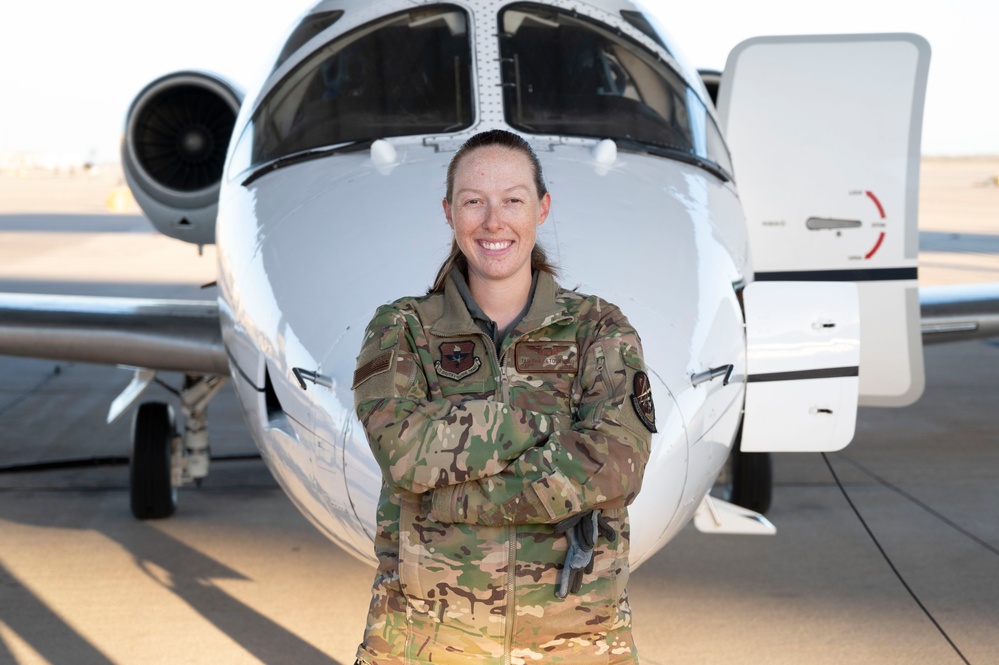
<point>69,69</point>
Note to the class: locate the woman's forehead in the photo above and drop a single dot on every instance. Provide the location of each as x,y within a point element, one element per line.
<point>492,162</point>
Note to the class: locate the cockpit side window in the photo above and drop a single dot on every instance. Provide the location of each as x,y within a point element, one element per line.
<point>568,74</point>
<point>310,26</point>
<point>640,21</point>
<point>407,73</point>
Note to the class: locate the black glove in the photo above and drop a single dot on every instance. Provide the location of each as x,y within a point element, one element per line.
<point>581,530</point>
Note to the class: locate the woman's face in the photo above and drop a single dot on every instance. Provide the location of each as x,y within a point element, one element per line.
<point>495,212</point>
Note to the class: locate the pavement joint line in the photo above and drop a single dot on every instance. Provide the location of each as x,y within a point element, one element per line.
<point>938,515</point>
<point>47,379</point>
<point>891,564</point>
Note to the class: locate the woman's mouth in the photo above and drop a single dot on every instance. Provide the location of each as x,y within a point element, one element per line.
<point>495,246</point>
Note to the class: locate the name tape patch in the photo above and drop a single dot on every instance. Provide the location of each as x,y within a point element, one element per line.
<point>534,357</point>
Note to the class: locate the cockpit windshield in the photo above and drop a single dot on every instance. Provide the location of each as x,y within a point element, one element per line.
<point>568,74</point>
<point>407,73</point>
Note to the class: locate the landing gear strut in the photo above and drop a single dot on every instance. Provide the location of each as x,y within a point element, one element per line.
<point>162,459</point>
<point>752,481</point>
<point>747,479</point>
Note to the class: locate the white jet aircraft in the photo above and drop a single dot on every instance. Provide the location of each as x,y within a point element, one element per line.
<point>765,246</point>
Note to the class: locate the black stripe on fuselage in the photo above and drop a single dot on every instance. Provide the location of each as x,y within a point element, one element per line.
<point>869,275</point>
<point>827,373</point>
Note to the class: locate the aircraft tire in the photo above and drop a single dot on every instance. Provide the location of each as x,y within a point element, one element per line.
<point>152,493</point>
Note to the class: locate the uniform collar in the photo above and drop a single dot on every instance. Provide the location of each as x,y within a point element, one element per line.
<point>478,316</point>
<point>544,311</point>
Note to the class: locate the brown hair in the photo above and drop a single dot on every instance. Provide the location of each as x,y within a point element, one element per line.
<point>503,139</point>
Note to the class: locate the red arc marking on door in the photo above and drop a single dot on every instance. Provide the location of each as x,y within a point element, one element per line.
<point>881,238</point>
<point>877,203</point>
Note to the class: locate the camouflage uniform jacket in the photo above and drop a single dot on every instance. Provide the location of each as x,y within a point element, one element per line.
<point>481,453</point>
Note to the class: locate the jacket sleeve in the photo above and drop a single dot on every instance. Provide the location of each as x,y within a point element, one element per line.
<point>597,463</point>
<point>422,443</point>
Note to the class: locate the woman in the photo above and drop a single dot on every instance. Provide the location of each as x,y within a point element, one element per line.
<point>511,419</point>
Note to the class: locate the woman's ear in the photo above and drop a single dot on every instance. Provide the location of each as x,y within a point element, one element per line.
<point>447,212</point>
<point>546,206</point>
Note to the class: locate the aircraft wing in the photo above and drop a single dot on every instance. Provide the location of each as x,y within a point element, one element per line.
<point>184,335</point>
<point>167,335</point>
<point>954,313</point>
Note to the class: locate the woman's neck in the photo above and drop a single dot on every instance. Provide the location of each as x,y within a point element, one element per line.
<point>501,301</point>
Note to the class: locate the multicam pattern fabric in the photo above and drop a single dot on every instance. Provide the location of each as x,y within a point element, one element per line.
<point>476,471</point>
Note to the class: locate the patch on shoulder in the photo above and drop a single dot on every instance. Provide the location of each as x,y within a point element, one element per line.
<point>457,359</point>
<point>376,365</point>
<point>534,357</point>
<point>641,400</point>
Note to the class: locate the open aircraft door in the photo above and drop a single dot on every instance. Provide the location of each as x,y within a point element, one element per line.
<point>825,139</point>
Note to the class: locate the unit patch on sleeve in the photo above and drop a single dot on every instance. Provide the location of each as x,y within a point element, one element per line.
<point>457,360</point>
<point>533,357</point>
<point>641,399</point>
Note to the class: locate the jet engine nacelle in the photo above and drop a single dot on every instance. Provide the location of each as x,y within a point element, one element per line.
<point>176,136</point>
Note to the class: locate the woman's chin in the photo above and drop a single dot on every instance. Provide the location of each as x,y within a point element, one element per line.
<point>497,272</point>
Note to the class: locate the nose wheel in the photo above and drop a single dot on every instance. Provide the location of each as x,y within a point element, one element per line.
<point>153,493</point>
<point>164,459</point>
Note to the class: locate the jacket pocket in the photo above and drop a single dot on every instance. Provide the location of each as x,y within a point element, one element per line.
<point>410,553</point>
<point>452,573</point>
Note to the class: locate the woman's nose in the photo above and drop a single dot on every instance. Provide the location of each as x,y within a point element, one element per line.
<point>494,218</point>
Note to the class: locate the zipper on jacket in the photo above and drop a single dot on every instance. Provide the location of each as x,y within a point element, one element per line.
<point>598,353</point>
<point>511,531</point>
<point>504,381</point>
<point>511,588</point>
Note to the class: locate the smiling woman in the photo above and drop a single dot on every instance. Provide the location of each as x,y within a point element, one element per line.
<point>511,420</point>
<point>494,204</point>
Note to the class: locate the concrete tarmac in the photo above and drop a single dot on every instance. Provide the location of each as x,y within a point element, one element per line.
<point>238,576</point>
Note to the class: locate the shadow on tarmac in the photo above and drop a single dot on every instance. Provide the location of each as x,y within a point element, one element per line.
<point>32,620</point>
<point>179,569</point>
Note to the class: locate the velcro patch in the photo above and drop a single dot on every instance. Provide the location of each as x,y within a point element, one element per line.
<point>534,357</point>
<point>376,365</point>
<point>641,399</point>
